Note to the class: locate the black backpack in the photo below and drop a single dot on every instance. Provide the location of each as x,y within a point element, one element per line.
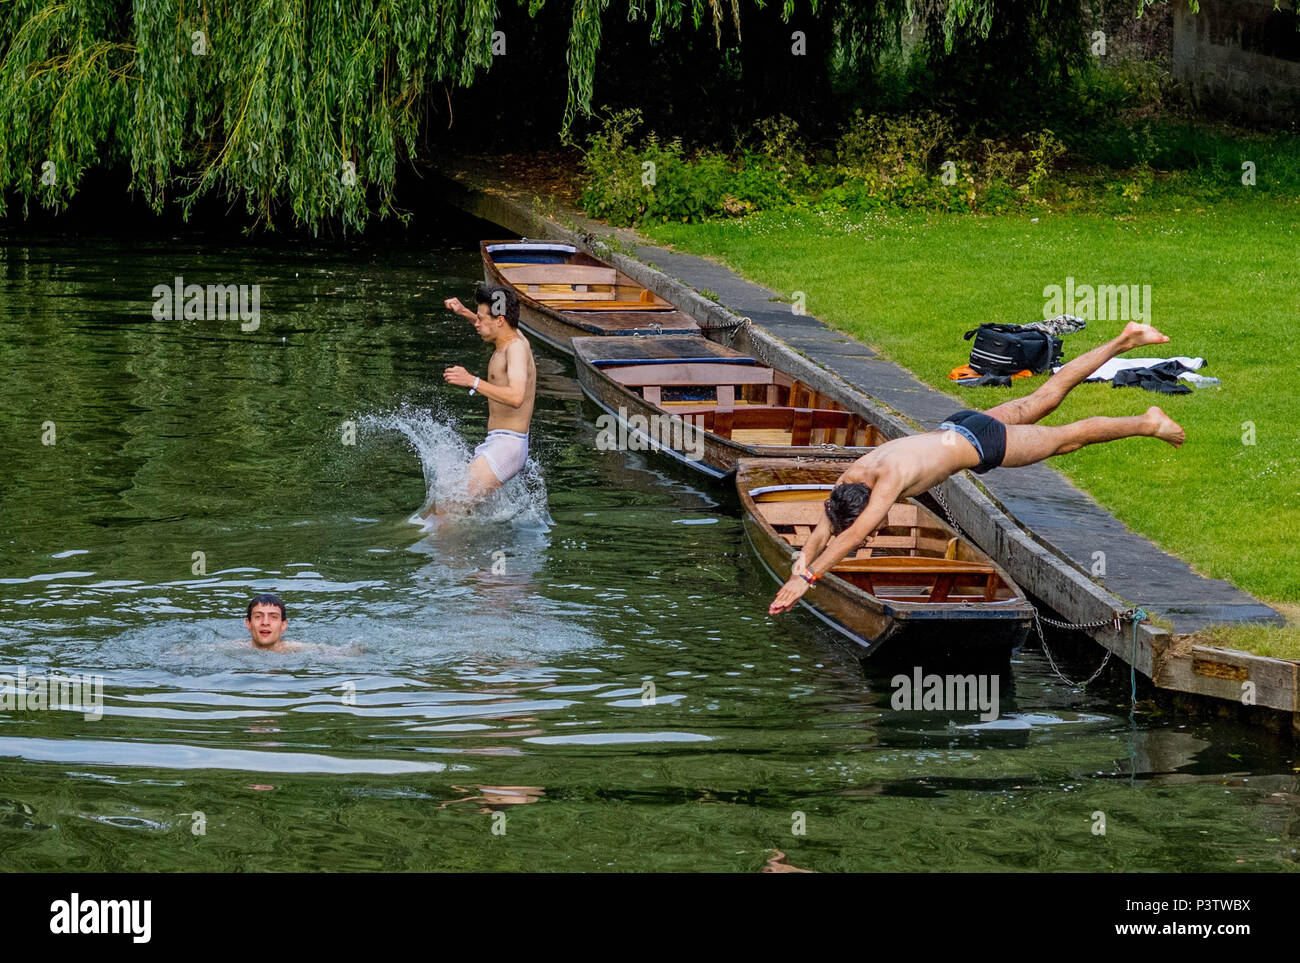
<point>1004,349</point>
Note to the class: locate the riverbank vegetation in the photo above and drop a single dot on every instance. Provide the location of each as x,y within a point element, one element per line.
<point>1113,147</point>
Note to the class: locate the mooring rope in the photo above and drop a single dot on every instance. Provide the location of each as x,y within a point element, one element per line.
<point>1138,616</point>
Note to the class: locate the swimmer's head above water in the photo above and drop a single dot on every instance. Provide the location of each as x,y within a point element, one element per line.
<point>266,621</point>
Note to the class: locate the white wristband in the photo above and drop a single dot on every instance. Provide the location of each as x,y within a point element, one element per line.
<point>475,388</point>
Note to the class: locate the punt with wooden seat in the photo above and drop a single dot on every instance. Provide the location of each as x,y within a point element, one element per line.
<point>564,292</point>
<point>724,405</point>
<point>915,589</point>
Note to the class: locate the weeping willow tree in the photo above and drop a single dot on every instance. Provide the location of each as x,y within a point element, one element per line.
<point>298,105</point>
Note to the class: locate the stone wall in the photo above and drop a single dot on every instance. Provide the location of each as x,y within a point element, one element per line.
<point>1240,57</point>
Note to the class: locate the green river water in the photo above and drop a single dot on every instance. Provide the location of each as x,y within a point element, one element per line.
<point>498,716</point>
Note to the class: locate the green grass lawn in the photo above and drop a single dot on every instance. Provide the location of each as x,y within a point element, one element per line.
<point>1225,285</point>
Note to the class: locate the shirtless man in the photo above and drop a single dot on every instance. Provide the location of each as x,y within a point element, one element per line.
<point>510,387</point>
<point>1005,436</point>
<point>267,622</point>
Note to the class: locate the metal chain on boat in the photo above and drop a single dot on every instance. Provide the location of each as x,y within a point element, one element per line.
<point>733,328</point>
<point>1134,615</point>
<point>1113,622</point>
<point>755,346</point>
<point>943,503</point>
<point>1052,662</point>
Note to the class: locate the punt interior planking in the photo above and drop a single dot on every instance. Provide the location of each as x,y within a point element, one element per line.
<point>565,292</point>
<point>742,408</point>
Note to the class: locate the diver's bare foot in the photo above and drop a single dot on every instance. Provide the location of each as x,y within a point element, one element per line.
<point>1166,429</point>
<point>1136,335</point>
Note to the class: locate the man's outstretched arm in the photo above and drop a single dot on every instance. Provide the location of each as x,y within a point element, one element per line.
<point>883,496</point>
<point>813,547</point>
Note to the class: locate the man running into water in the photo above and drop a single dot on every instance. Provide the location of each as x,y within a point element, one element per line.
<point>510,388</point>
<point>1005,436</point>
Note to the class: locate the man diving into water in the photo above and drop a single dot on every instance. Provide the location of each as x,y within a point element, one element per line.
<point>510,388</point>
<point>1006,436</point>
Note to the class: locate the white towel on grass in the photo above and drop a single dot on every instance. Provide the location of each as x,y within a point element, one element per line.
<point>1108,371</point>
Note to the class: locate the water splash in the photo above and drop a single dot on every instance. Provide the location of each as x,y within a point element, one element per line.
<point>445,458</point>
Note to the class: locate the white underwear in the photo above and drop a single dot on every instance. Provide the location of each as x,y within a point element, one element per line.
<point>505,451</point>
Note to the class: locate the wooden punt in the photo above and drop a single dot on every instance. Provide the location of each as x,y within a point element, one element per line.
<point>916,589</point>
<point>708,400</point>
<point>564,292</point>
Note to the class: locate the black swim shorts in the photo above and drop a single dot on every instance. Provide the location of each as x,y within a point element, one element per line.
<point>988,435</point>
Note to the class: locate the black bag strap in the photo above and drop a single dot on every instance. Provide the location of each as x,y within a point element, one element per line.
<point>998,327</point>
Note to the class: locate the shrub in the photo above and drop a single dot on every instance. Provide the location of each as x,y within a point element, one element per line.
<point>892,146</point>
<point>762,184</point>
<point>613,173</point>
<point>685,190</point>
<point>1044,153</point>
<point>780,142</point>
